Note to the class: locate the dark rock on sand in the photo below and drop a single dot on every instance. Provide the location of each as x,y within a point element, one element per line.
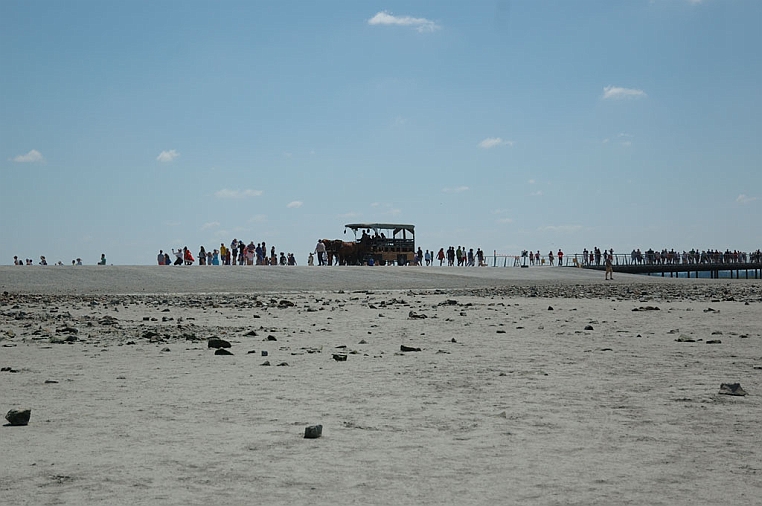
<point>222,351</point>
<point>216,342</point>
<point>408,348</point>
<point>732,389</point>
<point>339,357</point>
<point>266,362</point>
<point>313,432</point>
<point>18,416</point>
<point>589,327</point>
<point>714,341</point>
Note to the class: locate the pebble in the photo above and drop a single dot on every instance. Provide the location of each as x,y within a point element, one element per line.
<point>313,432</point>
<point>18,417</point>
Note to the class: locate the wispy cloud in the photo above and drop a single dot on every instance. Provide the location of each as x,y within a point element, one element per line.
<point>31,157</point>
<point>563,229</point>
<point>536,194</point>
<point>457,189</point>
<point>236,194</point>
<point>211,224</point>
<point>295,204</point>
<point>167,156</point>
<point>505,220</point>
<point>421,25</point>
<point>618,93</point>
<point>258,218</point>
<point>492,142</point>
<point>745,199</point>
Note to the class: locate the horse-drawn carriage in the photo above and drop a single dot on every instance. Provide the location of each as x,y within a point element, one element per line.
<point>384,243</point>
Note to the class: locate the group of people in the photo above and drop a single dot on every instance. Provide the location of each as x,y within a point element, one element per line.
<point>44,261</point>
<point>693,256</point>
<point>238,253</point>
<point>552,259</point>
<point>456,256</point>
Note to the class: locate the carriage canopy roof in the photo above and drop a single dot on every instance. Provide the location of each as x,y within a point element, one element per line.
<point>396,227</point>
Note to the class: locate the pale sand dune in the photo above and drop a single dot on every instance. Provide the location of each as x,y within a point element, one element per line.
<point>526,406</point>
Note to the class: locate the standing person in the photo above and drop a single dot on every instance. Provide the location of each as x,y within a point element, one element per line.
<point>233,251</point>
<point>223,254</point>
<point>160,257</point>
<point>441,256</point>
<point>550,257</point>
<point>187,256</point>
<point>480,257</point>
<point>560,257</point>
<point>320,252</point>
<point>202,256</point>
<point>609,268</point>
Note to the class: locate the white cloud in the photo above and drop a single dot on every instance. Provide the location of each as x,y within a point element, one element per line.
<point>211,224</point>
<point>564,229</point>
<point>294,204</point>
<point>745,199</point>
<point>536,194</point>
<point>236,194</point>
<point>505,220</point>
<point>492,142</point>
<point>459,189</point>
<point>31,157</point>
<point>531,181</point>
<point>167,156</point>
<point>616,93</point>
<point>422,25</point>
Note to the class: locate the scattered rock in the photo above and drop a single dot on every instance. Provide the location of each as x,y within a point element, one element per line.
<point>408,348</point>
<point>48,382</point>
<point>18,416</point>
<point>338,357</point>
<point>251,333</point>
<point>216,342</point>
<point>222,351</point>
<point>550,308</point>
<point>501,331</point>
<point>415,316</point>
<point>266,362</point>
<point>250,352</point>
<point>165,350</point>
<point>264,353</point>
<point>271,338</point>
<point>685,339</point>
<point>729,389</point>
<point>589,327</point>
<point>283,364</point>
<point>714,341</point>
<point>313,432</point>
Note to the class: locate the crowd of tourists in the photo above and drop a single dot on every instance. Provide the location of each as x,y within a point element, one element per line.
<point>238,253</point>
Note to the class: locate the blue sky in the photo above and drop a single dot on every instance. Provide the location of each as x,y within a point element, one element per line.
<point>132,126</point>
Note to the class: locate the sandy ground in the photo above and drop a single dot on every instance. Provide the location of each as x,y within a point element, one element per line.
<point>532,386</point>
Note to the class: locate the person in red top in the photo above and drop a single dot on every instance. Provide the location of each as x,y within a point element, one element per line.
<point>560,257</point>
<point>188,256</point>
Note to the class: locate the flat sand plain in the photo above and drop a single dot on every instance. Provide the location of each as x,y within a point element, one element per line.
<point>531,386</point>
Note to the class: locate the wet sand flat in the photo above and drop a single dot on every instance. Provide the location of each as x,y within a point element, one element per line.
<point>532,386</point>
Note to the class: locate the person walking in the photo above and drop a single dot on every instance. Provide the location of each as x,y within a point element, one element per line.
<point>609,268</point>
